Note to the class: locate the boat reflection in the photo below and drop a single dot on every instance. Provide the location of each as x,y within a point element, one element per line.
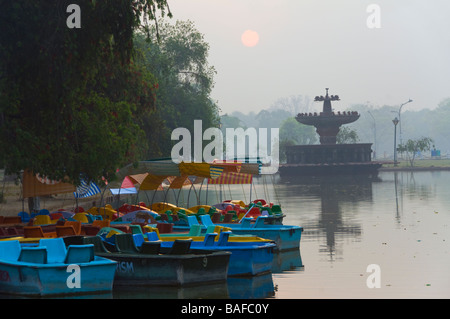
<point>207,291</point>
<point>287,261</point>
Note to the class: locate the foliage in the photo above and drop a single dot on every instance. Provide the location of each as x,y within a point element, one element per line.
<point>412,147</point>
<point>346,136</point>
<point>294,133</point>
<point>69,97</point>
<point>179,60</point>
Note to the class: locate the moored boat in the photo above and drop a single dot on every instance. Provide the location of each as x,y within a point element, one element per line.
<point>52,269</point>
<point>147,265</point>
<point>247,258</point>
<point>285,236</point>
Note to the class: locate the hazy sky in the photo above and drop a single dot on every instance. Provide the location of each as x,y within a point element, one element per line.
<point>308,45</point>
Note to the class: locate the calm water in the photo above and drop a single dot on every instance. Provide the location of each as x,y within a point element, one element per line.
<point>399,222</point>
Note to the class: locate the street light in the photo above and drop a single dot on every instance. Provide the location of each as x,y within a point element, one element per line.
<point>400,119</point>
<point>395,121</point>
<point>374,135</point>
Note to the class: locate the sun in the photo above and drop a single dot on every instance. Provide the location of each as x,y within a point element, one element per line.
<point>250,38</point>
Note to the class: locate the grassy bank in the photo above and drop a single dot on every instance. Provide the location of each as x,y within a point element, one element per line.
<point>420,164</point>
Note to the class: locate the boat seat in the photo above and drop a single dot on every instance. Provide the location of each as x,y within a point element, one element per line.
<point>206,220</point>
<point>56,249</point>
<point>136,229</point>
<point>101,223</point>
<point>223,238</point>
<point>75,224</point>
<point>180,247</point>
<point>24,216</point>
<point>164,217</point>
<point>209,239</point>
<point>9,250</point>
<point>99,247</point>
<point>152,236</point>
<point>33,232</point>
<point>36,255</point>
<point>195,230</point>
<point>260,222</point>
<point>42,220</point>
<point>228,218</point>
<point>79,254</point>
<point>276,209</point>
<point>81,217</point>
<point>138,239</point>
<point>125,243</point>
<point>11,231</point>
<point>150,247</point>
<point>192,220</point>
<point>215,217</point>
<point>211,229</point>
<point>245,222</point>
<point>73,240</point>
<point>63,231</point>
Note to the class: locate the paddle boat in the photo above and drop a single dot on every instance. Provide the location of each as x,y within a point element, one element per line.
<point>50,268</point>
<point>247,258</point>
<point>285,236</point>
<point>147,265</point>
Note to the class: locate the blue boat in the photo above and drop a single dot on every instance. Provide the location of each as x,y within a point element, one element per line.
<point>286,237</point>
<point>247,258</point>
<point>147,265</point>
<point>52,269</point>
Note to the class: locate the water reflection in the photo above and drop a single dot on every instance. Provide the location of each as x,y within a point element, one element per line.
<point>337,195</point>
<point>255,287</point>
<point>287,260</point>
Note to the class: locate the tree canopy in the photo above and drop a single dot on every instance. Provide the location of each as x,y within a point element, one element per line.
<point>178,57</point>
<point>69,96</point>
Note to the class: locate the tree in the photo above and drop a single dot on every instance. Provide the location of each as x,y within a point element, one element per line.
<point>294,133</point>
<point>179,60</point>
<point>347,136</point>
<point>413,147</point>
<point>69,97</point>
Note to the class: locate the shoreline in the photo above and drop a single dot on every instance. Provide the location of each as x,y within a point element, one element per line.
<point>414,168</point>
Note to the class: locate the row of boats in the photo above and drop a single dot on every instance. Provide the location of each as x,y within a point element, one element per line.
<point>164,245</point>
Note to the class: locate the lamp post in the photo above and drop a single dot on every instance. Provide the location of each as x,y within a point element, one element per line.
<point>374,135</point>
<point>395,121</point>
<point>400,119</point>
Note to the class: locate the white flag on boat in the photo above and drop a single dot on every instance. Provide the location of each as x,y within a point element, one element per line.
<point>86,189</point>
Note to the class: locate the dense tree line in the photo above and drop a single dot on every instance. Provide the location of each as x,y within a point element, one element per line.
<point>91,99</point>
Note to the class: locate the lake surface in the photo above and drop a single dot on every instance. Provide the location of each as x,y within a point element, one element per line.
<point>398,222</point>
<point>397,225</point>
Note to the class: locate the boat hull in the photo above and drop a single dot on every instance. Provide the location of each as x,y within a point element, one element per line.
<point>285,237</point>
<point>169,270</point>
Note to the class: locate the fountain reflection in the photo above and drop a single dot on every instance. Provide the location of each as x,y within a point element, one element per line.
<point>338,195</point>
